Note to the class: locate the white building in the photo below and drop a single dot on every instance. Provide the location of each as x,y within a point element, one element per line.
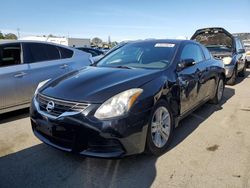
<point>72,42</point>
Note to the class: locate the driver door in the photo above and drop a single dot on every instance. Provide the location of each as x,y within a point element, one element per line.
<point>189,78</point>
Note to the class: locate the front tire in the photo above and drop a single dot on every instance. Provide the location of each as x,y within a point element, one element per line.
<point>219,91</point>
<point>242,73</point>
<point>232,80</point>
<point>247,63</point>
<point>160,130</point>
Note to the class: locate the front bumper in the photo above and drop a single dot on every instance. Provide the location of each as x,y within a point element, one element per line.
<point>229,69</point>
<point>89,136</point>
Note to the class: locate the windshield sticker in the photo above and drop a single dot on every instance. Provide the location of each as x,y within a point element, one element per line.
<point>164,45</point>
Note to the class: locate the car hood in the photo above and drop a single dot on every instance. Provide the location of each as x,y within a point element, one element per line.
<point>97,84</point>
<point>213,36</point>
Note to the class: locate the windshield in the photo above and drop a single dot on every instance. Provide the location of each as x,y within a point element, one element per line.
<point>154,55</point>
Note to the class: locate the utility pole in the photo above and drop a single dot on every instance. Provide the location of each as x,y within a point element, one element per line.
<point>18,33</point>
<point>109,41</point>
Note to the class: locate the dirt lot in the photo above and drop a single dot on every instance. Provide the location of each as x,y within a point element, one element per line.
<point>211,148</point>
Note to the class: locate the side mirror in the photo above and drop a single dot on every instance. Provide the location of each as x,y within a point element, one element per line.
<point>241,51</point>
<point>185,63</point>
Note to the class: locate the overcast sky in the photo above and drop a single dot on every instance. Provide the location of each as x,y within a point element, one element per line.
<point>123,20</point>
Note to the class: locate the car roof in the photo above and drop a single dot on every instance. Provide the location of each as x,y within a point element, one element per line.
<point>88,48</point>
<point>174,41</point>
<point>33,41</point>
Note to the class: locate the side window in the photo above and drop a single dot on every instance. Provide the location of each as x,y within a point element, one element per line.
<point>238,45</point>
<point>52,52</point>
<point>241,44</point>
<point>35,52</point>
<point>94,53</point>
<point>65,53</point>
<point>10,54</point>
<point>192,51</point>
<point>38,52</point>
<point>206,53</point>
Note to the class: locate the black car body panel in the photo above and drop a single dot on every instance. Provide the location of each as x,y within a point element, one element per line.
<point>232,47</point>
<point>81,132</point>
<point>91,77</point>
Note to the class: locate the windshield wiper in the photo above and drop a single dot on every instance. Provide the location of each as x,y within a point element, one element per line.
<point>124,67</point>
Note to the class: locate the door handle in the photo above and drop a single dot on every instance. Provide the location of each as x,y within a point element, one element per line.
<point>20,74</point>
<point>63,66</point>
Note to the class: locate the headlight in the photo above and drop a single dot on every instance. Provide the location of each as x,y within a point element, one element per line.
<point>227,60</point>
<point>41,84</point>
<point>118,105</point>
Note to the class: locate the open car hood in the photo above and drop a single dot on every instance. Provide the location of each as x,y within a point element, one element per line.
<point>214,36</point>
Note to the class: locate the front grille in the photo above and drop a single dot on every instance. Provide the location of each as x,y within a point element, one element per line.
<point>60,106</point>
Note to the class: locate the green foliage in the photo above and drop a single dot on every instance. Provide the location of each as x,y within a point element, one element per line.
<point>8,36</point>
<point>96,41</point>
<point>99,43</point>
<point>1,35</point>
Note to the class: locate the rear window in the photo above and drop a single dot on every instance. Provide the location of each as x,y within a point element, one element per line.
<point>65,53</point>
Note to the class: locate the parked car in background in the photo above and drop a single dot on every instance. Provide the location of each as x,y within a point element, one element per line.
<point>23,64</point>
<point>129,100</point>
<point>225,46</point>
<point>96,53</point>
<point>247,47</point>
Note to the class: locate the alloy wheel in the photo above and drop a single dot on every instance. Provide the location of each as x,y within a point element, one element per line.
<point>160,127</point>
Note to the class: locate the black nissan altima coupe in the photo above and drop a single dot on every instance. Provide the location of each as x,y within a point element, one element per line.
<point>128,102</point>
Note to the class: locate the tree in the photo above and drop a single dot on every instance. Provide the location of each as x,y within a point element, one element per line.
<point>96,41</point>
<point>10,36</point>
<point>1,35</point>
<point>50,35</point>
<point>113,44</point>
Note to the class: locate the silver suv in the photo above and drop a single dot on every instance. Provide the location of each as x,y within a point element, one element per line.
<point>23,64</point>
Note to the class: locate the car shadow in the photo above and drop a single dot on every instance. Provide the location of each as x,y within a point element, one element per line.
<point>14,115</point>
<point>43,166</point>
<point>192,122</point>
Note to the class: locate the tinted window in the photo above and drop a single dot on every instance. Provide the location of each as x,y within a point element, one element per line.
<point>192,51</point>
<point>52,52</point>
<point>10,54</point>
<point>36,52</point>
<point>65,53</point>
<point>93,52</point>
<point>206,53</point>
<point>153,55</point>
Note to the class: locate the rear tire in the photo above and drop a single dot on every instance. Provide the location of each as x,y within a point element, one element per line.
<point>219,92</point>
<point>232,80</point>
<point>159,133</point>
